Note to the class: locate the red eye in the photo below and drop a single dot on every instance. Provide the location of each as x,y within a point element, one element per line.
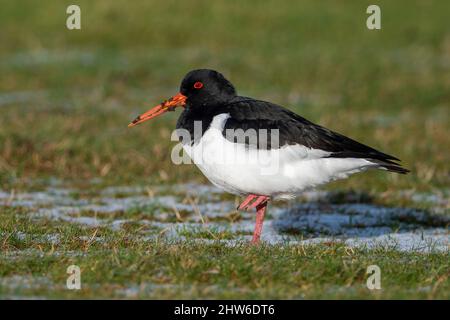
<point>198,85</point>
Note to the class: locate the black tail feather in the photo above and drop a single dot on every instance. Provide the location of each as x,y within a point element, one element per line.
<point>395,168</point>
<point>390,166</point>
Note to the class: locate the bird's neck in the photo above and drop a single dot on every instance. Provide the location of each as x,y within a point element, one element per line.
<point>195,121</point>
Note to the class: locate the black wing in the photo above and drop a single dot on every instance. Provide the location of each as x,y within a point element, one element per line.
<point>247,113</point>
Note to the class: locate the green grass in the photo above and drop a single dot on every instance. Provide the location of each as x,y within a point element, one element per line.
<point>113,262</point>
<point>211,233</point>
<point>66,98</point>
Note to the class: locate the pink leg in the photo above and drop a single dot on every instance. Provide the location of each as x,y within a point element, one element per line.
<point>260,212</point>
<point>259,201</point>
<point>260,204</point>
<point>247,201</point>
<point>246,204</point>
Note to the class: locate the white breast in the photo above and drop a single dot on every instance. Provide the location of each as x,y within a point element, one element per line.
<point>279,173</point>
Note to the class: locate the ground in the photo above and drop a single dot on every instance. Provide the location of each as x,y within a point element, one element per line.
<point>79,187</point>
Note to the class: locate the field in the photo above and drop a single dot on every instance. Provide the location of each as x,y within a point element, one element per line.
<point>77,187</point>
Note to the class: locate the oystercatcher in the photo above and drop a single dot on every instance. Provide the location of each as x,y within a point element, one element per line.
<point>258,149</point>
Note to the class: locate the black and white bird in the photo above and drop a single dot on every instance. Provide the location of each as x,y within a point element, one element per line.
<point>258,149</point>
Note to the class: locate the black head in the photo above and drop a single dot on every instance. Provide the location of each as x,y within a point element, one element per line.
<point>199,89</point>
<point>205,87</point>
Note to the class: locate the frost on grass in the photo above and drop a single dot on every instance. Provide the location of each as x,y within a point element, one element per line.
<point>367,225</point>
<point>361,220</point>
<point>196,212</point>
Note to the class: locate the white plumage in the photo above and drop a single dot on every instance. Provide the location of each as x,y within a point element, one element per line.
<point>278,173</point>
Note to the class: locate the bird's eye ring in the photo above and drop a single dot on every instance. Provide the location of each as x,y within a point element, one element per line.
<point>198,85</point>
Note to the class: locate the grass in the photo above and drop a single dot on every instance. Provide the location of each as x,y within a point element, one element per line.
<point>116,264</point>
<point>66,98</point>
<point>211,233</point>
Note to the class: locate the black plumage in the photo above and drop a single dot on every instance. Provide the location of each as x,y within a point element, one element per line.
<point>218,96</point>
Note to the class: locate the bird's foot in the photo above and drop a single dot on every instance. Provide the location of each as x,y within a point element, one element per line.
<point>247,204</point>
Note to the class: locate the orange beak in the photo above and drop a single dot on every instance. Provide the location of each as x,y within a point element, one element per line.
<point>168,105</point>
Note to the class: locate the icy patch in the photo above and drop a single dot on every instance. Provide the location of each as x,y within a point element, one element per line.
<point>360,220</point>
<point>25,282</point>
<point>364,225</point>
<point>143,290</point>
<point>418,240</point>
<point>195,212</point>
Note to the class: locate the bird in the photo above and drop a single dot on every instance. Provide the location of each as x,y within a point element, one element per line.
<point>257,149</point>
